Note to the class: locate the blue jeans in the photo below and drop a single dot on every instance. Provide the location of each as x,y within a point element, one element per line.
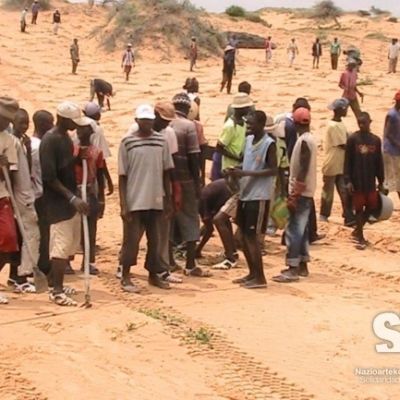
<point>296,236</point>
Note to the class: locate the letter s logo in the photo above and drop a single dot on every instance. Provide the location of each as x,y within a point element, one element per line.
<point>383,327</point>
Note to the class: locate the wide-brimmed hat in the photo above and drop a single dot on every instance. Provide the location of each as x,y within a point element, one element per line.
<point>8,107</point>
<point>242,100</point>
<point>270,125</point>
<point>228,48</point>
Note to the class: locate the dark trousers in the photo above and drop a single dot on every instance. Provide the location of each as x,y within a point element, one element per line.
<point>74,66</point>
<point>142,221</point>
<point>227,77</point>
<point>44,228</point>
<point>34,17</point>
<point>312,222</point>
<point>334,61</point>
<point>328,190</point>
<point>23,26</point>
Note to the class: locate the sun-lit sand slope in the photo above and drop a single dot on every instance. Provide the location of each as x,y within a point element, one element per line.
<point>206,339</point>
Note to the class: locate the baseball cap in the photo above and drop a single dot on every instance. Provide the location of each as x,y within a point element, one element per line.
<point>338,103</point>
<point>145,111</point>
<point>91,109</point>
<point>166,110</point>
<point>129,45</point>
<point>70,110</point>
<point>8,108</point>
<point>302,116</point>
<point>397,96</point>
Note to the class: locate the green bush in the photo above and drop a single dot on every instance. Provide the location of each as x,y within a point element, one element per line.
<point>20,4</point>
<point>236,11</point>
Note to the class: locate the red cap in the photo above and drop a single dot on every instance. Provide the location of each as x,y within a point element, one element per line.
<point>397,96</point>
<point>302,116</point>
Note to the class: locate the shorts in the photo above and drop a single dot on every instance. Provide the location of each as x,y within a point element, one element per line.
<point>65,238</point>
<point>252,216</point>
<point>392,172</point>
<point>368,201</point>
<point>127,68</point>
<point>187,219</point>
<point>230,208</point>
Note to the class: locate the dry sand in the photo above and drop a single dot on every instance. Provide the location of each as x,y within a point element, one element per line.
<point>206,339</point>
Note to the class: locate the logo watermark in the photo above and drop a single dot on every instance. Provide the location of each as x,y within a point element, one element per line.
<point>378,375</point>
<point>384,326</point>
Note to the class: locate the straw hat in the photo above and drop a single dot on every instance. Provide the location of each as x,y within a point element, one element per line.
<point>242,100</point>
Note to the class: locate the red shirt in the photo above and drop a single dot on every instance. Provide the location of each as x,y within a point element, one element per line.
<point>95,161</point>
<point>348,82</point>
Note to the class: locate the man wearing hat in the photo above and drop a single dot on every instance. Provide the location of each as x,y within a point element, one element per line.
<point>187,168</point>
<point>348,82</point>
<point>302,185</point>
<point>228,68</point>
<point>333,166</point>
<point>391,147</point>
<point>63,206</point>
<point>363,169</point>
<point>8,157</point>
<point>144,162</point>
<point>128,61</point>
<point>193,53</point>
<point>231,146</point>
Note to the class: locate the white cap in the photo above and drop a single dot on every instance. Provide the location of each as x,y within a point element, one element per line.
<point>145,111</point>
<point>70,110</point>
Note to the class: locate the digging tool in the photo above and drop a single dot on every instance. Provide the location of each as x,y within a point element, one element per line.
<point>86,243</point>
<point>40,279</point>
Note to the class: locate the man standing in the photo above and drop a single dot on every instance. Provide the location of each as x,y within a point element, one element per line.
<point>348,82</point>
<point>292,51</point>
<point>43,122</point>
<point>363,167</point>
<point>23,19</point>
<point>128,61</point>
<point>228,68</point>
<point>56,21</point>
<point>8,157</point>
<point>144,162</point>
<point>74,52</point>
<point>316,53</point>
<point>268,49</point>
<point>103,90</point>
<point>335,53</point>
<point>393,56</point>
<point>333,166</point>
<point>256,191</point>
<point>63,206</point>
<point>302,185</point>
<point>391,147</point>
<point>187,168</point>
<point>35,11</point>
<point>193,53</point>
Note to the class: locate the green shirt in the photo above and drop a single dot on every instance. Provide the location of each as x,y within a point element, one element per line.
<point>233,138</point>
<point>335,48</point>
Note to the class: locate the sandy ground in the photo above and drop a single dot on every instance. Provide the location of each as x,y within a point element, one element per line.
<point>206,339</point>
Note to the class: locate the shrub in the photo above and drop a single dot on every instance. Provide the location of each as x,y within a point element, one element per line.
<point>236,11</point>
<point>378,11</point>
<point>327,10</point>
<point>20,4</point>
<point>364,13</point>
<point>392,19</point>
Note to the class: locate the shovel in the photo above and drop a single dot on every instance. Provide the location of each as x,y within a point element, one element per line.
<point>86,243</point>
<point>39,277</point>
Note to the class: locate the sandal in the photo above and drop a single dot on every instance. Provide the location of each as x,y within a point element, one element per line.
<point>197,272</point>
<point>254,285</point>
<point>170,278</point>
<point>61,299</point>
<point>3,299</point>
<point>129,288</point>
<point>69,291</point>
<point>25,287</point>
<point>286,277</point>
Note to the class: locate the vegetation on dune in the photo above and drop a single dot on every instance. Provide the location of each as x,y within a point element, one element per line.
<point>20,4</point>
<point>327,10</point>
<point>240,12</point>
<point>162,24</point>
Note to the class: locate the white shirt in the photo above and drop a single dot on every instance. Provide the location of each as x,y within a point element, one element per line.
<point>36,172</point>
<point>99,140</point>
<point>394,51</point>
<point>7,148</point>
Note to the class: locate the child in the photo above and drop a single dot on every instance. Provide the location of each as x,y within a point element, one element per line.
<point>95,184</point>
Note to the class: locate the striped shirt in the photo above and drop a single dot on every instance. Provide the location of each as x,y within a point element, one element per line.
<point>143,161</point>
<point>128,58</point>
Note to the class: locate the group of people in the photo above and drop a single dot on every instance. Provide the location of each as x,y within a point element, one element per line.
<point>35,8</point>
<point>260,164</point>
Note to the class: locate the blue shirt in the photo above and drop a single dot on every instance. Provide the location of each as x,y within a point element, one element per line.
<point>256,188</point>
<point>392,128</point>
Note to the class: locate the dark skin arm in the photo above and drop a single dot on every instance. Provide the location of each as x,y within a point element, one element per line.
<point>167,191</point>
<point>194,168</point>
<point>122,184</point>
<point>208,231</point>
<point>305,159</point>
<point>107,176</point>
<point>203,165</point>
<point>78,203</point>
<point>380,175</point>
<point>100,183</point>
<point>220,148</point>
